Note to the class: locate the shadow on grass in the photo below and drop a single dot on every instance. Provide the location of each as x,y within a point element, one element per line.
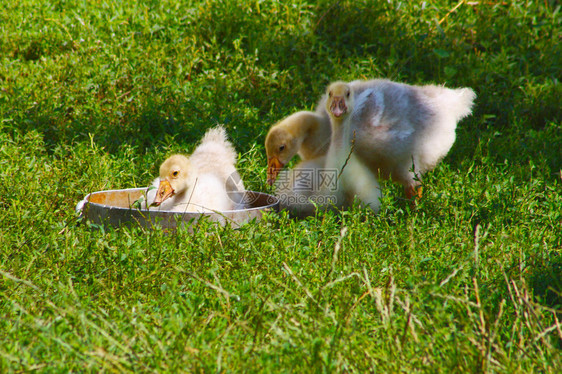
<point>546,282</point>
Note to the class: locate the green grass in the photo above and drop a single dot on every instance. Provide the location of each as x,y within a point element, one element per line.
<point>95,97</point>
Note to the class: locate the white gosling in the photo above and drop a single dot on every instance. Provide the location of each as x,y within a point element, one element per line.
<point>202,182</point>
<point>354,178</point>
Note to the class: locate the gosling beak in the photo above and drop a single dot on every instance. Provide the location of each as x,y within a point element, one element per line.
<point>338,107</point>
<point>165,191</point>
<point>274,167</point>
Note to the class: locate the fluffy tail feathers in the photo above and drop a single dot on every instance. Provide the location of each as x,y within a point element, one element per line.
<point>216,135</point>
<point>215,152</point>
<point>455,102</point>
<point>462,106</point>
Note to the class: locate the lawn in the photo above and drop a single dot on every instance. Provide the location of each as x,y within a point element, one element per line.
<point>95,95</point>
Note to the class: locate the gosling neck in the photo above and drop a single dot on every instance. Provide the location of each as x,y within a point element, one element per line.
<point>342,136</point>
<point>308,126</point>
<point>304,123</point>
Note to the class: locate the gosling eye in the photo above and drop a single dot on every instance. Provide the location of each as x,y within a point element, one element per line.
<point>330,93</point>
<point>282,148</point>
<point>175,173</point>
<point>347,94</point>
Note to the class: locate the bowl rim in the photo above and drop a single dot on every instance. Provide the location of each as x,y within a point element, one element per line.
<point>81,205</point>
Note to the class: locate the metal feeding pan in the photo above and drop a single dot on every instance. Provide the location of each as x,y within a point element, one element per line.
<point>117,208</point>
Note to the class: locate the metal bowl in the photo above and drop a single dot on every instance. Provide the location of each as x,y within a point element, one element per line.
<point>115,208</point>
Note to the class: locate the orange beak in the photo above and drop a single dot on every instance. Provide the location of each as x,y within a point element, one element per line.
<point>274,167</point>
<point>165,191</point>
<point>338,107</point>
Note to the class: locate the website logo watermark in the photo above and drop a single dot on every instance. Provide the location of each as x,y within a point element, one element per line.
<point>308,180</point>
<point>307,186</point>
